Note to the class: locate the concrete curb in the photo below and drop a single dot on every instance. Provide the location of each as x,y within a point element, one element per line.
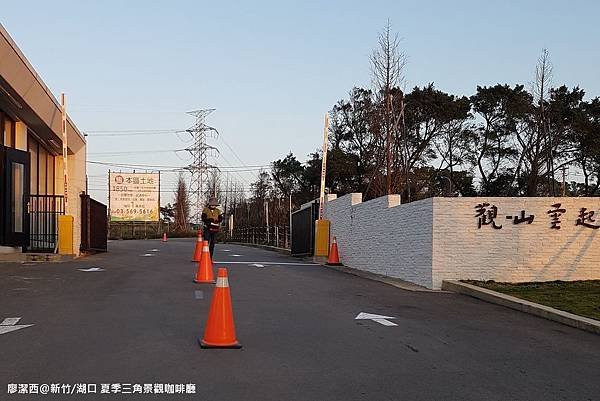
<point>546,312</point>
<point>34,258</point>
<point>266,247</point>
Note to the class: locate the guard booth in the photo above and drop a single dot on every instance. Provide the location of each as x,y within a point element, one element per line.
<point>303,229</point>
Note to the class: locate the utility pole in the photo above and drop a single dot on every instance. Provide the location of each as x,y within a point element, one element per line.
<point>290,222</point>
<point>564,186</point>
<point>63,109</point>
<point>267,217</point>
<point>323,167</point>
<point>200,167</point>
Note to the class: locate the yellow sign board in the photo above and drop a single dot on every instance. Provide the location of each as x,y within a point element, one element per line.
<point>134,196</point>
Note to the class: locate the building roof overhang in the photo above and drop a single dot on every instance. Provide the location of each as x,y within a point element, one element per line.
<point>25,97</point>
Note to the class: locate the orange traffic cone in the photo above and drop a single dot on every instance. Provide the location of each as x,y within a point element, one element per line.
<point>204,274</point>
<point>198,250</point>
<point>220,329</point>
<point>334,258</point>
<point>164,237</point>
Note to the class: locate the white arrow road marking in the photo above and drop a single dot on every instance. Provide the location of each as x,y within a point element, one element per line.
<point>257,265</point>
<point>10,321</point>
<point>10,324</point>
<point>147,254</point>
<point>376,318</point>
<point>92,269</point>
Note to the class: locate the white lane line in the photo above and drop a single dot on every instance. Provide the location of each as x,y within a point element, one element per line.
<point>226,250</point>
<point>92,269</point>
<point>265,263</point>
<point>153,250</point>
<point>147,254</point>
<point>257,265</point>
<point>236,255</point>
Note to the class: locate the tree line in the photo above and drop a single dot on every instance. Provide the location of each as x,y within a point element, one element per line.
<point>502,140</point>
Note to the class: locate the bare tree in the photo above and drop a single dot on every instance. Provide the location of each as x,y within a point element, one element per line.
<point>541,94</point>
<point>387,67</point>
<point>214,184</point>
<point>182,205</point>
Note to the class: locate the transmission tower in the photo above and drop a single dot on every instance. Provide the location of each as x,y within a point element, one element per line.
<point>199,168</point>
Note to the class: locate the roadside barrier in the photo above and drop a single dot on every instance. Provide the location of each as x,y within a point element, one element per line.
<point>198,250</point>
<point>334,257</point>
<point>205,274</point>
<point>220,329</point>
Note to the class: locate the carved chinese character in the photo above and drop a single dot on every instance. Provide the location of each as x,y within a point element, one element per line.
<point>522,218</point>
<point>555,214</point>
<point>485,216</point>
<point>586,218</point>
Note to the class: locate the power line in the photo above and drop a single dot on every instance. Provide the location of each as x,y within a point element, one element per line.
<point>133,152</point>
<point>168,190</point>
<point>136,131</point>
<point>230,169</point>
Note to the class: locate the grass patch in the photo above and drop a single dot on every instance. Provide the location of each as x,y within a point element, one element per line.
<point>578,297</point>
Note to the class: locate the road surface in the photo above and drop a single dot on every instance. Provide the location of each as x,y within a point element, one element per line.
<point>136,315</point>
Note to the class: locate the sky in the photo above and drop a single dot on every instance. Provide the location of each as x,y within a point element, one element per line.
<point>272,69</point>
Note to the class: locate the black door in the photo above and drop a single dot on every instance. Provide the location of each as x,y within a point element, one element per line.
<point>15,187</point>
<point>303,230</point>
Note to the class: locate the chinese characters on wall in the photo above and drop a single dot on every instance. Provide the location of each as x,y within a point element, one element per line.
<point>487,215</point>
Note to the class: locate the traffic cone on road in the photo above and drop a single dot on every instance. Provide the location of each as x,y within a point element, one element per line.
<point>198,250</point>
<point>220,329</point>
<point>164,237</point>
<point>334,257</point>
<point>204,274</point>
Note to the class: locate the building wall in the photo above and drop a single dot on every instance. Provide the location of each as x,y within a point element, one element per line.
<point>384,237</point>
<point>26,98</point>
<point>436,239</point>
<point>516,252</point>
<point>20,136</point>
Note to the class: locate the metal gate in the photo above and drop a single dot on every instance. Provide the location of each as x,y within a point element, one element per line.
<point>43,227</point>
<point>94,225</point>
<point>303,230</point>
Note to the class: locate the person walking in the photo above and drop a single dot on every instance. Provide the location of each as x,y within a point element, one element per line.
<point>212,218</point>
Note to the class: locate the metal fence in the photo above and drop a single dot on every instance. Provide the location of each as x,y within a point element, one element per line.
<point>43,221</point>
<point>278,236</point>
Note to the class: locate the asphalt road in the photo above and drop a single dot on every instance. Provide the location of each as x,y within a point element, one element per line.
<point>137,322</point>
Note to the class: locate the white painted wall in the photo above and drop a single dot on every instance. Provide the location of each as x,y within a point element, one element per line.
<point>435,239</point>
<point>384,237</point>
<point>515,253</point>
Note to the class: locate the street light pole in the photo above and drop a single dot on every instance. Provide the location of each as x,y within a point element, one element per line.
<point>449,181</point>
